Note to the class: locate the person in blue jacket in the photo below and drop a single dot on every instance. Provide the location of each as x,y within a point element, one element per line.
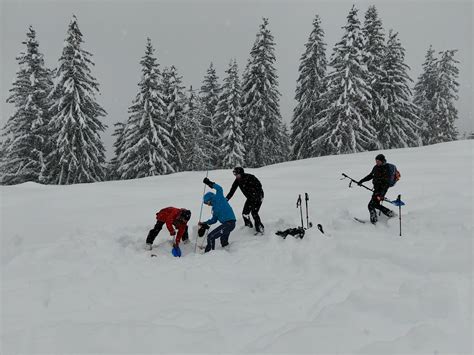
<point>222,212</point>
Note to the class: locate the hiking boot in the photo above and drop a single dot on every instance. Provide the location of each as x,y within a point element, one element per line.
<point>248,222</point>
<point>373,217</point>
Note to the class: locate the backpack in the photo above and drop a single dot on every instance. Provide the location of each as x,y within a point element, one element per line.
<point>394,174</point>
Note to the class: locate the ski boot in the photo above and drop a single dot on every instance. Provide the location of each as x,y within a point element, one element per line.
<point>148,246</point>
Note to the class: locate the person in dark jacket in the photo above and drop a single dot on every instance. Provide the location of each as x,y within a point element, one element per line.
<point>253,191</point>
<point>380,176</point>
<point>173,218</point>
<point>222,212</point>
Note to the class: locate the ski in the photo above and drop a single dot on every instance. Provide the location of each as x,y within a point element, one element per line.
<point>360,220</point>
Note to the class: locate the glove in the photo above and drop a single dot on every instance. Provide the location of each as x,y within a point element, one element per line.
<point>176,251</point>
<point>208,182</point>
<point>359,182</point>
<point>202,229</point>
<point>173,233</point>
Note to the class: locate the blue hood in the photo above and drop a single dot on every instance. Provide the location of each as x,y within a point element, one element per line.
<point>209,197</point>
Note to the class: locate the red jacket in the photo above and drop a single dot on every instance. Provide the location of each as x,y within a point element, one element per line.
<point>169,215</point>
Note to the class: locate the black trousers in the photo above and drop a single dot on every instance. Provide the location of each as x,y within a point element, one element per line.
<point>157,228</point>
<point>252,206</point>
<point>377,198</point>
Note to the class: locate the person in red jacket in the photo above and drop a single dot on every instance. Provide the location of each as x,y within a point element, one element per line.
<point>173,218</point>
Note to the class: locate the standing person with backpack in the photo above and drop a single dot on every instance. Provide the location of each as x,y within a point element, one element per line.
<point>253,191</point>
<point>222,212</point>
<point>381,176</point>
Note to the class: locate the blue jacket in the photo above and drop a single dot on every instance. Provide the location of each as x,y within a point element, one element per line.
<point>221,210</point>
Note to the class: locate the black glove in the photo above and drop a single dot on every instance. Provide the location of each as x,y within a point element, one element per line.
<point>359,182</point>
<point>202,229</point>
<point>208,182</point>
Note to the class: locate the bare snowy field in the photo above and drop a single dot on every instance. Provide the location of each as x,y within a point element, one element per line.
<point>75,278</point>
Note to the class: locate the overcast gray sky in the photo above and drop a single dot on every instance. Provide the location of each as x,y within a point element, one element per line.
<point>191,34</point>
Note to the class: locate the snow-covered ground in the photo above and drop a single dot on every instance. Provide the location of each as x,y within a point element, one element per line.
<point>75,278</point>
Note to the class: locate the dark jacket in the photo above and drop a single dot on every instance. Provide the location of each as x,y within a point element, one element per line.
<point>380,175</point>
<point>249,185</point>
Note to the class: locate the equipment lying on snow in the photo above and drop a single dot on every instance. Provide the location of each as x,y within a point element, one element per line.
<point>299,232</point>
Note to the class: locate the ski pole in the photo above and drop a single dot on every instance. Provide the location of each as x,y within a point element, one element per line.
<point>298,204</point>
<point>306,198</point>
<point>200,213</point>
<point>400,212</point>
<point>352,180</point>
<point>308,223</point>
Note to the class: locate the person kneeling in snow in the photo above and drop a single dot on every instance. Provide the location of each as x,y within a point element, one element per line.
<point>222,212</point>
<point>172,217</point>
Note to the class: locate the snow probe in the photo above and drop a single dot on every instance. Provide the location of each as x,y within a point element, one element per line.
<point>200,213</point>
<point>397,202</point>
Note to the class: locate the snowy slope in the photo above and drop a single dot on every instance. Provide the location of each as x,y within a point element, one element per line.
<point>75,277</point>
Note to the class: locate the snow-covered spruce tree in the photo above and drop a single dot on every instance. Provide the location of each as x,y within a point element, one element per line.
<point>397,119</point>
<point>345,126</point>
<point>26,131</point>
<point>424,92</point>
<point>142,146</point>
<point>310,86</point>
<point>78,155</point>
<point>440,125</point>
<point>374,50</point>
<point>112,167</point>
<point>228,121</point>
<point>194,155</point>
<point>285,142</point>
<point>209,95</point>
<point>260,103</point>
<point>175,100</point>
